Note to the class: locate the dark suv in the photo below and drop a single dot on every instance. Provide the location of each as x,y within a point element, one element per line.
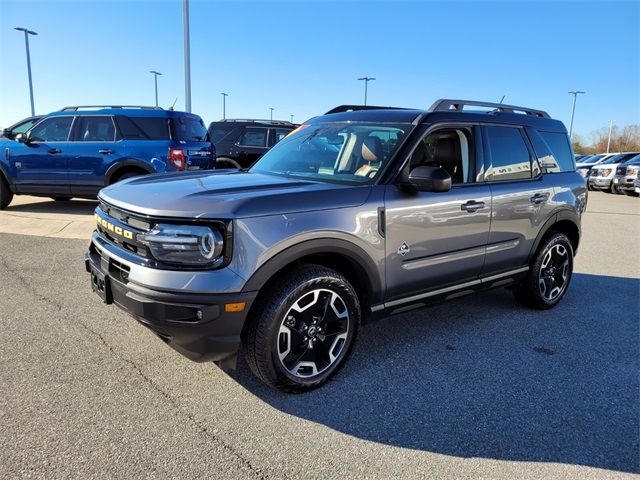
<point>78,150</point>
<point>239,143</point>
<point>360,213</point>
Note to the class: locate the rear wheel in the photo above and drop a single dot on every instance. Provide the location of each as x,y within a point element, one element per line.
<point>126,175</point>
<point>303,329</point>
<point>61,199</point>
<point>6,195</point>
<point>224,162</point>
<point>549,274</point>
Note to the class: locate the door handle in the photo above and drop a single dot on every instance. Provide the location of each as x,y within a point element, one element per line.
<point>471,206</point>
<point>539,198</point>
<point>105,151</point>
<point>53,151</point>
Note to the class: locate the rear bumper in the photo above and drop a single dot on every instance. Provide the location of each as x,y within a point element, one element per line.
<point>194,324</point>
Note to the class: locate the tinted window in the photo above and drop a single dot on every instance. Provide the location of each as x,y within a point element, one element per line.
<point>95,129</point>
<point>280,133</point>
<point>23,127</point>
<point>218,131</point>
<point>546,158</point>
<point>508,154</point>
<point>449,149</point>
<point>143,128</point>
<point>559,145</point>
<point>254,137</point>
<point>53,129</point>
<point>190,129</point>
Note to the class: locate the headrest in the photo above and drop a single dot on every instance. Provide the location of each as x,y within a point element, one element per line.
<point>372,149</point>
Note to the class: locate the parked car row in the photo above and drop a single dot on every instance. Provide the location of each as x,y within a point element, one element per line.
<point>78,150</point>
<point>611,172</point>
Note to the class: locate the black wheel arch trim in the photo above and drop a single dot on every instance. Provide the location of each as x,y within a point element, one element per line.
<point>120,164</point>
<point>5,175</point>
<point>319,246</point>
<point>562,215</point>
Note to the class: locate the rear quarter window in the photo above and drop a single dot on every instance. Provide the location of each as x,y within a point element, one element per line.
<point>143,128</point>
<point>558,143</point>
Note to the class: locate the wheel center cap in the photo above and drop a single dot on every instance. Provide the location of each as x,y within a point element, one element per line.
<point>312,331</point>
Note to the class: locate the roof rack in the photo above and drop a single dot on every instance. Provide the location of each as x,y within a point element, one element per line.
<point>93,107</point>
<point>353,108</point>
<point>271,122</point>
<point>448,105</point>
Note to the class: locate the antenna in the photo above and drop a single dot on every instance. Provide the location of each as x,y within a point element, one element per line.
<point>173,104</point>
<point>502,99</point>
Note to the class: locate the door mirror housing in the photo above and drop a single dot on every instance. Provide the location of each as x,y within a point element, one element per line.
<point>22,138</point>
<point>428,179</point>
<point>6,132</point>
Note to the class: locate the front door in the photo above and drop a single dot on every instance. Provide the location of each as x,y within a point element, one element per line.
<point>41,165</point>
<point>438,239</point>
<point>251,145</point>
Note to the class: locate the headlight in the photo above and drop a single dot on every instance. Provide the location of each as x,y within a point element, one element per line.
<point>583,171</point>
<point>605,172</point>
<point>632,170</point>
<point>184,244</point>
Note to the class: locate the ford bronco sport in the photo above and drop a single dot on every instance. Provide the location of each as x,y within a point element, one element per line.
<point>360,213</point>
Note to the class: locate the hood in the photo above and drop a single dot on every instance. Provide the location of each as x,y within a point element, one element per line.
<point>228,195</point>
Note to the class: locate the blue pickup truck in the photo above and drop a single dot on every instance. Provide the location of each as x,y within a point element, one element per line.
<point>77,151</point>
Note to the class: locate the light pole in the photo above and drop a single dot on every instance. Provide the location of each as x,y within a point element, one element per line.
<point>271,108</point>
<point>224,104</point>
<point>366,83</point>
<point>291,117</point>
<point>26,42</point>
<point>609,141</point>
<point>155,80</point>
<point>187,55</point>
<point>575,94</point>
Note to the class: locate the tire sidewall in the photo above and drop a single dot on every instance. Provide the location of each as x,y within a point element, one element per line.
<point>555,239</point>
<point>327,281</point>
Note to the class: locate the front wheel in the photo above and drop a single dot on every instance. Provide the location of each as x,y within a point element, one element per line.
<point>303,329</point>
<point>61,199</point>
<point>6,195</point>
<point>549,274</point>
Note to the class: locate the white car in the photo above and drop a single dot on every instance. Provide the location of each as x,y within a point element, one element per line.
<point>584,167</point>
<point>601,175</point>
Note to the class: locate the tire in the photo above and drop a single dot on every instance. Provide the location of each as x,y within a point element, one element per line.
<point>630,193</point>
<point>124,176</point>
<point>286,342</point>
<point>6,195</point>
<point>61,199</point>
<point>615,190</point>
<point>224,162</point>
<point>538,290</point>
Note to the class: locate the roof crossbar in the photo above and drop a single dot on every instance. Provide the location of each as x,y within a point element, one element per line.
<point>82,107</point>
<point>353,108</point>
<point>448,105</point>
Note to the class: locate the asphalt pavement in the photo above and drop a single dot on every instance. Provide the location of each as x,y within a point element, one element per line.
<point>474,388</point>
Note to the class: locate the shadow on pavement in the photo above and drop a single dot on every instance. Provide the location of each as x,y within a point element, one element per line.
<point>70,207</point>
<point>481,377</point>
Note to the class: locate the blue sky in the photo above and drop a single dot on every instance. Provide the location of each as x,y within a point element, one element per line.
<point>303,57</point>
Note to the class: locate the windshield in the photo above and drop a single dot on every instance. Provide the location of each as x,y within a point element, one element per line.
<point>615,159</point>
<point>350,153</point>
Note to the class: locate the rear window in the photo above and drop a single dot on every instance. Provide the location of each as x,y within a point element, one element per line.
<point>217,131</point>
<point>559,145</point>
<point>143,128</point>
<point>190,128</point>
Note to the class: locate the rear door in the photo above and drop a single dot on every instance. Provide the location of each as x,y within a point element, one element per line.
<point>94,147</point>
<point>41,166</point>
<point>251,145</point>
<point>189,133</point>
<point>522,197</point>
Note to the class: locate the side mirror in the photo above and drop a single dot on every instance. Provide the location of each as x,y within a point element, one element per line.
<point>22,138</point>
<point>428,179</point>
<point>6,132</point>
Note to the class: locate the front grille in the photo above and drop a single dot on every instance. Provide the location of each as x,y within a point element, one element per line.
<point>122,229</point>
<point>621,170</point>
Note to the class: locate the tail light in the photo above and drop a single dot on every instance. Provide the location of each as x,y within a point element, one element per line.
<point>176,157</point>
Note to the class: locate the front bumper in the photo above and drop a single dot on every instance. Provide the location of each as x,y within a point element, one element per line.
<point>624,183</point>
<point>194,324</point>
<point>600,182</point>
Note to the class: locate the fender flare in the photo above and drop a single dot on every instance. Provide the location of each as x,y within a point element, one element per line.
<point>5,175</point>
<point>561,215</point>
<point>129,162</point>
<point>316,246</point>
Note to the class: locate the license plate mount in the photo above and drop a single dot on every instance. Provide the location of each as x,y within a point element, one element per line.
<point>101,284</point>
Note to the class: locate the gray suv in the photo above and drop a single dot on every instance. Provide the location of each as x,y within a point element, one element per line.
<point>358,214</point>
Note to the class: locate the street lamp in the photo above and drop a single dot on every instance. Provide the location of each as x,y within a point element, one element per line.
<point>609,141</point>
<point>271,108</point>
<point>155,78</point>
<point>224,104</point>
<point>187,55</point>
<point>26,42</point>
<point>366,83</point>
<point>575,94</point>
<point>291,117</point>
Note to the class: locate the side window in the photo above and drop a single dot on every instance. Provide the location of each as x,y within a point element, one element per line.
<point>508,154</point>
<point>546,158</point>
<point>143,128</point>
<point>23,127</point>
<point>279,134</point>
<point>254,137</point>
<point>53,129</point>
<point>95,129</point>
<point>451,148</point>
<point>559,144</point>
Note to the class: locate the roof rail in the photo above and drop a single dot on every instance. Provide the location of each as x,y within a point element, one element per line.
<point>257,120</point>
<point>353,108</point>
<point>448,105</point>
<point>88,107</point>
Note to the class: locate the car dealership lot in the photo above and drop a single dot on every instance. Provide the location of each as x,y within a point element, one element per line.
<point>450,392</point>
